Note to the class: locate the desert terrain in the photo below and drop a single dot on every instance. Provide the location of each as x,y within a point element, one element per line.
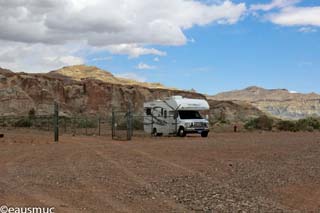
<point>226,172</point>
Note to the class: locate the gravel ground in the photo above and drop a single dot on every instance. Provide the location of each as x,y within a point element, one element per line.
<point>227,172</point>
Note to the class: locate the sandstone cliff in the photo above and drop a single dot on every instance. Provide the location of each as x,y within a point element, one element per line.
<point>78,89</point>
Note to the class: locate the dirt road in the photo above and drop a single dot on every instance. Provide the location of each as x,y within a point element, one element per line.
<point>226,172</point>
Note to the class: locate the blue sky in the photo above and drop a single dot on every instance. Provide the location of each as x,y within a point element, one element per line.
<point>267,43</point>
<point>228,57</point>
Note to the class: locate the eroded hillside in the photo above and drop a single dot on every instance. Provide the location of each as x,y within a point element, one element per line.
<point>277,102</point>
<point>78,89</point>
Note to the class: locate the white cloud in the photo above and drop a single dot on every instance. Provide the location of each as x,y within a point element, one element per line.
<point>36,57</point>
<point>131,75</point>
<point>305,63</point>
<point>121,27</point>
<point>307,30</point>
<point>289,14</point>
<point>156,59</point>
<point>107,58</point>
<point>133,50</point>
<point>192,40</point>
<point>274,4</point>
<point>297,16</point>
<point>143,66</point>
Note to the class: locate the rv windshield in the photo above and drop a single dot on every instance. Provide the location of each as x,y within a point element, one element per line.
<point>189,115</point>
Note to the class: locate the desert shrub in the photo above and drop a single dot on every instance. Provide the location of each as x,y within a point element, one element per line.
<point>137,123</point>
<point>86,123</point>
<point>287,126</point>
<point>32,113</point>
<point>23,122</point>
<point>262,123</point>
<point>308,124</point>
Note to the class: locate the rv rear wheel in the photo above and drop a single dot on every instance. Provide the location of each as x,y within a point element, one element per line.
<point>204,134</point>
<point>154,132</point>
<point>181,132</point>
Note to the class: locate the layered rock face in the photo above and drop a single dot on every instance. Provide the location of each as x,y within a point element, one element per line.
<point>230,112</point>
<point>79,90</point>
<point>278,102</point>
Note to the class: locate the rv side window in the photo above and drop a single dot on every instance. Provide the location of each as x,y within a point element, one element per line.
<point>165,114</point>
<point>161,112</point>
<point>148,111</point>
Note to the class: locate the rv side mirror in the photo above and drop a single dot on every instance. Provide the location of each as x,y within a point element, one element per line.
<point>207,117</point>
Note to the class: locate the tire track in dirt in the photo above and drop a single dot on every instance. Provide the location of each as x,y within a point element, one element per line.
<point>35,195</point>
<point>169,164</point>
<point>141,181</point>
<point>115,205</point>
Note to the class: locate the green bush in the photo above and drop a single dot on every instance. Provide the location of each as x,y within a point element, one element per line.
<point>262,123</point>
<point>137,123</point>
<point>287,126</point>
<point>86,123</point>
<point>307,124</point>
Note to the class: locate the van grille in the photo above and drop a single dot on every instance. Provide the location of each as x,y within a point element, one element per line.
<point>199,124</point>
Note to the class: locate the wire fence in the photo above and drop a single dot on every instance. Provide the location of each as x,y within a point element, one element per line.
<point>77,125</point>
<point>120,125</point>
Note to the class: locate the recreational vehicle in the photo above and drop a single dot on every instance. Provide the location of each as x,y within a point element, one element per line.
<point>176,116</point>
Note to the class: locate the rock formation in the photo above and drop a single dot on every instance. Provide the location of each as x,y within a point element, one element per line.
<point>280,103</point>
<point>78,89</point>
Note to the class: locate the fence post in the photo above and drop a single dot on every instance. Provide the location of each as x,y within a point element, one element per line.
<point>48,123</point>
<point>56,122</point>
<point>152,124</point>
<point>65,125</point>
<point>129,123</point>
<point>74,125</point>
<point>113,124</point>
<point>99,125</point>
<point>86,124</point>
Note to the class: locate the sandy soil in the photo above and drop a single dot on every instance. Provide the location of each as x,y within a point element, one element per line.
<point>229,172</point>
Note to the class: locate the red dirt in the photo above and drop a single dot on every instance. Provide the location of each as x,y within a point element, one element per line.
<point>226,172</point>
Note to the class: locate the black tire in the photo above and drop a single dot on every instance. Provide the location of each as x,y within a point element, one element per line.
<point>181,132</point>
<point>154,132</point>
<point>204,134</point>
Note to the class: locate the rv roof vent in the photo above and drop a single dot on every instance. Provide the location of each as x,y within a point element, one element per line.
<point>177,97</point>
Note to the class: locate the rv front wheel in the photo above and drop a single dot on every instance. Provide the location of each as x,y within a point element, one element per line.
<point>204,134</point>
<point>181,132</point>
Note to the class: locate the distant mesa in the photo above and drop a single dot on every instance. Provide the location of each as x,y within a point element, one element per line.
<point>280,103</point>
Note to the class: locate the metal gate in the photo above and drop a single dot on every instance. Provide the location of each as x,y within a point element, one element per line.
<point>121,125</point>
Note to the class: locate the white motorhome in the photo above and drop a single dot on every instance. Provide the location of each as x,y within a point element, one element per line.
<point>176,116</point>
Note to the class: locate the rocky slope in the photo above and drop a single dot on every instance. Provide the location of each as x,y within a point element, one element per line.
<point>277,102</point>
<point>83,72</point>
<point>78,89</point>
<point>230,112</point>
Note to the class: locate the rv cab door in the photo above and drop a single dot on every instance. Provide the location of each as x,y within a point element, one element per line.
<point>171,119</point>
